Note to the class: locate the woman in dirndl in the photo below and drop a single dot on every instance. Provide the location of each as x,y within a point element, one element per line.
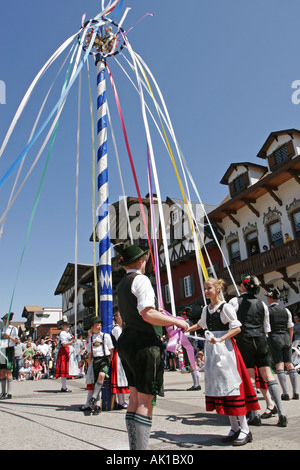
<point>228,388</point>
<point>66,363</point>
<point>119,384</point>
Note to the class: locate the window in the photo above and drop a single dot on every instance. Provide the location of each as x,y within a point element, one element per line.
<point>175,227</point>
<point>275,234</point>
<point>240,183</point>
<point>187,286</point>
<point>252,241</point>
<point>280,155</point>
<point>296,223</point>
<point>234,252</point>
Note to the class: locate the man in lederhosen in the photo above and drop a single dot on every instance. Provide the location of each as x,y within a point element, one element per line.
<point>280,341</point>
<point>252,341</point>
<point>140,346</point>
<point>100,350</point>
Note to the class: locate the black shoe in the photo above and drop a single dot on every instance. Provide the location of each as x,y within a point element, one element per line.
<point>97,410</point>
<point>85,408</point>
<point>123,406</point>
<point>295,396</point>
<point>256,421</point>
<point>241,442</point>
<point>233,436</point>
<point>269,413</point>
<point>282,422</point>
<point>5,396</point>
<point>65,390</point>
<point>92,403</point>
<point>285,397</point>
<point>194,388</point>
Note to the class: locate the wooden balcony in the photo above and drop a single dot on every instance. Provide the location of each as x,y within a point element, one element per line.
<point>275,259</point>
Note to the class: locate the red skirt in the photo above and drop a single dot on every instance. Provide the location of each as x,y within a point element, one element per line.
<point>114,388</point>
<point>62,363</point>
<point>236,405</point>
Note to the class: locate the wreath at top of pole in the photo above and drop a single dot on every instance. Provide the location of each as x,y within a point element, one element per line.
<point>106,41</point>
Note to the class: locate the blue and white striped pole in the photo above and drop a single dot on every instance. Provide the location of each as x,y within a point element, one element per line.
<point>103,227</point>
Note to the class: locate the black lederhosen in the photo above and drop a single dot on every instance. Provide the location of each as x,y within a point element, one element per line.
<point>142,357</point>
<point>280,347</point>
<point>100,364</point>
<point>254,350</point>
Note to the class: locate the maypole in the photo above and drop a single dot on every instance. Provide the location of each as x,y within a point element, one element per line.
<point>105,274</point>
<point>105,44</point>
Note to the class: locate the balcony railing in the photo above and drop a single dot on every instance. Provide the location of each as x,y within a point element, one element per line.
<point>271,260</point>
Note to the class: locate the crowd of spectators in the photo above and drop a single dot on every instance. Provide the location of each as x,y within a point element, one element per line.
<point>35,360</point>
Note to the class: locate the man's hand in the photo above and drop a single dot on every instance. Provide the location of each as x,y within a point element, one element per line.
<point>182,324</point>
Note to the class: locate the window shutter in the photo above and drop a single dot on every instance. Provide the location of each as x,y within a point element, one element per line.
<point>290,148</point>
<point>231,189</point>
<point>246,179</point>
<point>271,161</point>
<point>193,284</point>
<point>181,288</point>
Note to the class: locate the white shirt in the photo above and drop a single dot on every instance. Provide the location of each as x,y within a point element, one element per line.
<point>98,348</point>
<point>10,331</point>
<point>116,331</point>
<point>43,349</point>
<point>227,315</point>
<point>267,328</point>
<point>142,288</point>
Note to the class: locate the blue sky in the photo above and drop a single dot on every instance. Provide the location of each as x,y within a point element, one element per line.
<point>225,69</point>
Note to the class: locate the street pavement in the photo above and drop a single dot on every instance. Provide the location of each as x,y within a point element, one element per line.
<point>40,417</point>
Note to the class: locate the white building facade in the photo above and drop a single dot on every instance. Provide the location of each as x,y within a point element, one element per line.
<point>260,219</point>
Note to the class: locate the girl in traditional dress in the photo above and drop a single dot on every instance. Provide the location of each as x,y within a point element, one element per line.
<point>228,388</point>
<point>66,364</point>
<point>119,384</point>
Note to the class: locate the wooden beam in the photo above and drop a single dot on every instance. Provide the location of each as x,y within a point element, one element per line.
<point>290,281</point>
<point>236,222</point>
<point>271,192</point>
<point>255,211</point>
<point>294,174</point>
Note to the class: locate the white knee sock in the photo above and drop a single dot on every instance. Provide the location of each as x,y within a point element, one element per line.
<point>143,428</point>
<point>235,426</point>
<point>243,424</point>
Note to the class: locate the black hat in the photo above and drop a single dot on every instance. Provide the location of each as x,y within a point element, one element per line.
<point>63,322</point>
<point>132,253</point>
<point>251,284</point>
<point>273,294</point>
<point>8,316</point>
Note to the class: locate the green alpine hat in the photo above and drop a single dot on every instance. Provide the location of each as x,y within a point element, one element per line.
<point>132,253</point>
<point>94,320</point>
<point>273,294</point>
<point>251,283</point>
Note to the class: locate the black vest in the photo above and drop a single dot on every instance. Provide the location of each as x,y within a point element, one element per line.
<point>128,306</point>
<point>214,322</point>
<point>251,314</point>
<point>278,319</point>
